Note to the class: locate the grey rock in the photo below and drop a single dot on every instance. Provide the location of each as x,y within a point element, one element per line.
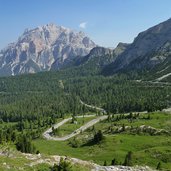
<point>121,47</point>
<point>40,48</point>
<point>100,51</point>
<point>121,168</point>
<point>141,52</point>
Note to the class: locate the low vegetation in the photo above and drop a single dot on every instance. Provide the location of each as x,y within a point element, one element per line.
<point>125,147</point>
<point>31,104</point>
<point>70,126</point>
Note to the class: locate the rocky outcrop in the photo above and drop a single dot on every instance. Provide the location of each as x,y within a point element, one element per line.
<point>100,51</point>
<point>148,49</point>
<point>93,62</point>
<point>40,48</point>
<point>121,47</point>
<point>122,168</point>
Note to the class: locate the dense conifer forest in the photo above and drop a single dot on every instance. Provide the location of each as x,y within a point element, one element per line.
<point>31,103</point>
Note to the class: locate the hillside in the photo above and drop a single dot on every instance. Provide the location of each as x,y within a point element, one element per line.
<point>149,51</point>
<point>32,103</point>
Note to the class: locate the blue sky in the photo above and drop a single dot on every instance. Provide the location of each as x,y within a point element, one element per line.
<point>107,22</point>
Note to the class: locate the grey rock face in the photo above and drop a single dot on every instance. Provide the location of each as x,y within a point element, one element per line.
<point>100,51</point>
<point>144,45</point>
<point>121,47</point>
<point>38,49</point>
<point>98,56</point>
<point>122,168</point>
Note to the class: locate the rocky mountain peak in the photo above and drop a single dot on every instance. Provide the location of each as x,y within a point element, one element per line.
<point>100,51</point>
<point>38,48</point>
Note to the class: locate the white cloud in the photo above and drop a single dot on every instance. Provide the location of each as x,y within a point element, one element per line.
<point>83,25</point>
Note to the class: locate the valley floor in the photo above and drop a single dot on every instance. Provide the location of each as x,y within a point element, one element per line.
<point>147,137</point>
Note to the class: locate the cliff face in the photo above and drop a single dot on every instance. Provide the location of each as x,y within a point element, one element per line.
<point>146,50</point>
<point>40,48</point>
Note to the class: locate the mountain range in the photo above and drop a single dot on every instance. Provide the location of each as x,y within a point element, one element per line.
<point>52,47</point>
<point>43,48</point>
<point>146,48</point>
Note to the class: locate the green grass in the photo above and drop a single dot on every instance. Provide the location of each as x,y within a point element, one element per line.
<point>20,163</point>
<point>74,167</point>
<point>157,120</point>
<point>70,127</point>
<point>147,150</point>
<point>16,161</point>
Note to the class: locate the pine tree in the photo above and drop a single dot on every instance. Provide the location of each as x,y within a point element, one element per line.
<point>114,162</point>
<point>105,163</point>
<point>128,159</point>
<point>158,166</point>
<point>63,166</point>
<point>98,137</point>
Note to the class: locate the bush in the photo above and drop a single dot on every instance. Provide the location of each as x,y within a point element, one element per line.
<point>98,137</point>
<point>63,165</point>
<point>24,145</point>
<point>128,159</point>
<point>158,166</point>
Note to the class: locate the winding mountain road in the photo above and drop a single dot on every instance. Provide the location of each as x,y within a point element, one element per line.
<point>47,133</point>
<point>93,107</point>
